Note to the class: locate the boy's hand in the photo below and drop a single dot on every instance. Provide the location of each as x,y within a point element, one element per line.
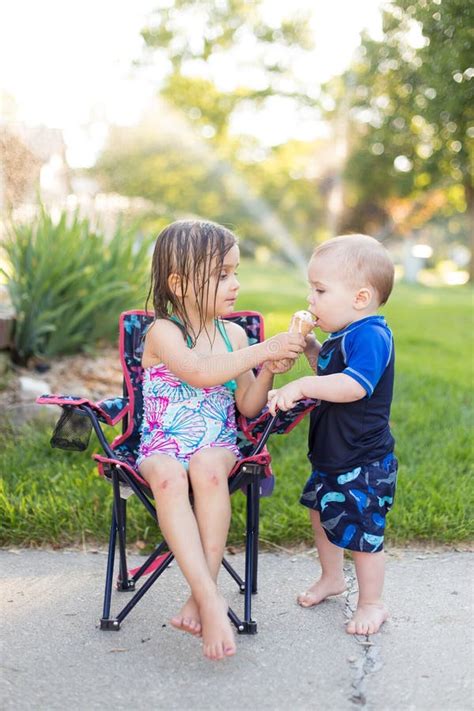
<point>284,398</point>
<point>277,367</point>
<point>284,345</point>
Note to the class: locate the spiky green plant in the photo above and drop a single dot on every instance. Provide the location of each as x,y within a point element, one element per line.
<point>68,283</point>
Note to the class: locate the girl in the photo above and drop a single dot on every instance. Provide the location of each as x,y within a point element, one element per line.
<point>195,368</point>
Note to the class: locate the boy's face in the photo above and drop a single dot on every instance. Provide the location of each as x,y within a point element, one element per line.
<point>332,300</point>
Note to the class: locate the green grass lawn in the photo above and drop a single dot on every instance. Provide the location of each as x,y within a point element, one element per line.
<point>50,496</point>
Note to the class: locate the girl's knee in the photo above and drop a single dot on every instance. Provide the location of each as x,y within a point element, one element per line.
<point>209,469</point>
<point>170,479</point>
<point>208,479</point>
<point>172,484</point>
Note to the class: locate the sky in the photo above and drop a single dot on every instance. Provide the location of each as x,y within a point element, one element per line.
<point>69,65</point>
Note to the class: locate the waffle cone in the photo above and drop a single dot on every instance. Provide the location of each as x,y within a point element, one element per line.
<point>299,325</point>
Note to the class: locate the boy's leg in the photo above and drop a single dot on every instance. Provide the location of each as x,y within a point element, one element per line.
<point>208,472</point>
<point>169,483</point>
<point>371,612</point>
<point>331,557</point>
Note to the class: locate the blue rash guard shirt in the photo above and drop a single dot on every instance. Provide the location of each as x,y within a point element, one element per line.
<point>350,434</point>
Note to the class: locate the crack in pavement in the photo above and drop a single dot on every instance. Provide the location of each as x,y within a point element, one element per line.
<point>369,661</point>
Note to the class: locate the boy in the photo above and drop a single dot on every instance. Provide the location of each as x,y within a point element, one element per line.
<point>352,485</point>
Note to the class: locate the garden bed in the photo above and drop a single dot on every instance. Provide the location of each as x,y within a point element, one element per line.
<point>94,376</point>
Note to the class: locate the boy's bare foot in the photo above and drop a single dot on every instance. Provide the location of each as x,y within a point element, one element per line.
<point>321,589</point>
<point>217,636</point>
<point>368,618</point>
<point>188,618</point>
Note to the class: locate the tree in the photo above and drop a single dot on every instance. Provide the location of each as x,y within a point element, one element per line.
<point>410,102</point>
<point>268,197</point>
<point>194,36</point>
<point>223,57</point>
<point>190,161</point>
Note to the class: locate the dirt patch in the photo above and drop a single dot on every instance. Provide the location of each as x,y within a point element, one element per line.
<point>95,377</point>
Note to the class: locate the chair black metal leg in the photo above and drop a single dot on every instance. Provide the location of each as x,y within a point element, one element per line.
<point>236,621</point>
<point>234,575</point>
<point>139,594</point>
<point>256,515</point>
<point>120,505</point>
<point>151,558</point>
<point>110,572</point>
<point>249,624</point>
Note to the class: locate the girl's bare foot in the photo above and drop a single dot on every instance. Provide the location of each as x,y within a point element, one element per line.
<point>217,636</point>
<point>188,618</point>
<point>322,588</point>
<point>368,618</point>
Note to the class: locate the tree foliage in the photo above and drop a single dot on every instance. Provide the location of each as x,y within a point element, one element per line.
<point>205,31</point>
<point>410,100</point>
<point>187,159</point>
<point>404,105</point>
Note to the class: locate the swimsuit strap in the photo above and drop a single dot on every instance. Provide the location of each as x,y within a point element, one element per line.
<point>223,332</point>
<point>176,320</point>
<point>230,384</point>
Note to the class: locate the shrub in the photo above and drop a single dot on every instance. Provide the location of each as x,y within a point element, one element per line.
<point>68,283</point>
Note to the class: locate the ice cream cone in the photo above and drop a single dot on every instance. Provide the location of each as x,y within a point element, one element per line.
<point>302,322</point>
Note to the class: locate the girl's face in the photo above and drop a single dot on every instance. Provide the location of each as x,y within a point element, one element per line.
<point>331,299</point>
<point>226,283</point>
<point>223,287</point>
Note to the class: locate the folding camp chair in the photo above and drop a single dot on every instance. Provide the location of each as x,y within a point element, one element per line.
<point>252,473</point>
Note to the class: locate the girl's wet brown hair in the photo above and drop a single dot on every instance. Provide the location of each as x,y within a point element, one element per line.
<point>194,250</point>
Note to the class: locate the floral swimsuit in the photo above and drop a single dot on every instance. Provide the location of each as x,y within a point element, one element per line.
<point>179,420</point>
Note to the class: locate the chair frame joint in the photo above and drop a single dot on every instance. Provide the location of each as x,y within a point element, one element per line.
<point>125,585</point>
<point>110,625</point>
<point>247,627</point>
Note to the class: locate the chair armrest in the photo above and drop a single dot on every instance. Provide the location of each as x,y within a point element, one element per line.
<point>109,411</point>
<point>284,423</point>
<point>114,408</point>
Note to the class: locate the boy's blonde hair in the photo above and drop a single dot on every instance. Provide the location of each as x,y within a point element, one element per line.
<point>362,260</point>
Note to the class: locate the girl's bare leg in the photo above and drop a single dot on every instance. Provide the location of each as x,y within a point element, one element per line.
<point>208,472</point>
<point>169,483</point>
<point>331,557</point>
<point>371,612</point>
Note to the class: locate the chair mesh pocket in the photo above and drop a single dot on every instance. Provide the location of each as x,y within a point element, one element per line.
<point>72,431</point>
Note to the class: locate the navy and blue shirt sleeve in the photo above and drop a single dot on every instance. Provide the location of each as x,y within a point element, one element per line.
<point>367,352</point>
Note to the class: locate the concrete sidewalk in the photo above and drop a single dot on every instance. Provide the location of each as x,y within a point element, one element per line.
<point>53,656</point>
